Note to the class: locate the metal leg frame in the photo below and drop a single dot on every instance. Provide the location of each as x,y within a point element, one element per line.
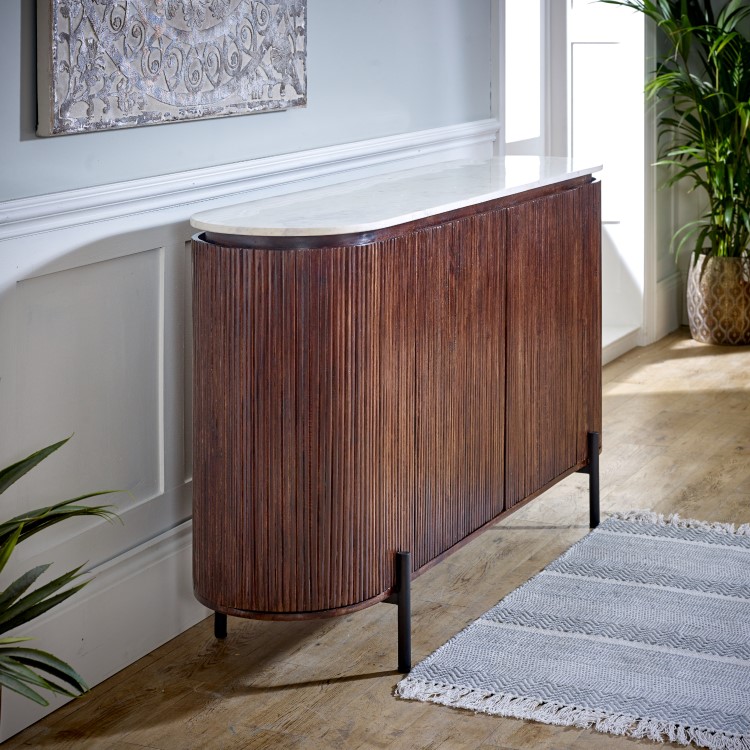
<point>403,561</point>
<point>402,598</point>
<point>593,471</point>
<point>220,625</point>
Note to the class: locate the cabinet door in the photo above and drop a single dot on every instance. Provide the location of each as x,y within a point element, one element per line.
<point>304,425</point>
<point>460,375</point>
<point>554,337</point>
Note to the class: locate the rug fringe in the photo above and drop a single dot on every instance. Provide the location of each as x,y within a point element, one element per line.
<point>682,523</point>
<point>503,704</point>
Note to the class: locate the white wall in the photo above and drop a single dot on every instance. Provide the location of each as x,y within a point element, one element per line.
<point>94,287</point>
<point>375,68</point>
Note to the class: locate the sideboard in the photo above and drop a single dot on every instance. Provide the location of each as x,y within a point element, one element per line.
<point>382,369</point>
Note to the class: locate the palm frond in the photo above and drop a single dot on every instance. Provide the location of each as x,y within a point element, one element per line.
<point>702,90</point>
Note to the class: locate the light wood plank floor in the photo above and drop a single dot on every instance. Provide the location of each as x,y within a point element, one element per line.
<point>676,438</point>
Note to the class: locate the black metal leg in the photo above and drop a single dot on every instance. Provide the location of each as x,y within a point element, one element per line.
<point>403,561</point>
<point>593,473</point>
<point>220,625</point>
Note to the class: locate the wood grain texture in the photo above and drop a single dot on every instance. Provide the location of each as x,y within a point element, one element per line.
<point>460,365</point>
<point>350,401</point>
<point>304,389</point>
<point>554,337</point>
<point>677,421</point>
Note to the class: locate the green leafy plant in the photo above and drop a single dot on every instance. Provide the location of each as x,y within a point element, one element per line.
<point>23,669</point>
<point>703,88</point>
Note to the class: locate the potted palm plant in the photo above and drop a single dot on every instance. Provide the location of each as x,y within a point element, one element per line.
<point>27,670</point>
<point>702,85</point>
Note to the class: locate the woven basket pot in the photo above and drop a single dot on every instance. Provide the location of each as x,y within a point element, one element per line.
<point>718,300</point>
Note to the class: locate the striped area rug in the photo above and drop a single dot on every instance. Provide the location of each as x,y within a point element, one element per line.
<point>641,629</point>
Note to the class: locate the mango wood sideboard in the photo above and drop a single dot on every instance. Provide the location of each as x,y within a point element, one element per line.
<point>382,369</point>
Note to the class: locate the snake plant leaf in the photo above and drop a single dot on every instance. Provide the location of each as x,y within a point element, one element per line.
<point>13,473</point>
<point>21,584</point>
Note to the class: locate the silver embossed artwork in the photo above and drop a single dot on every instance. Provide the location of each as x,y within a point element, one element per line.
<point>123,63</point>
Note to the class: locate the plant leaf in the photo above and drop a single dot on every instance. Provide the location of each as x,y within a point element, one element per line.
<point>21,584</point>
<point>702,89</point>
<point>23,672</point>
<point>51,664</point>
<point>14,472</point>
<point>23,669</point>
<point>16,669</point>
<point>8,680</point>
<point>31,607</point>
<point>8,545</point>
<point>41,518</point>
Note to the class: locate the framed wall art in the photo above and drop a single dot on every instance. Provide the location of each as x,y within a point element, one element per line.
<point>106,64</point>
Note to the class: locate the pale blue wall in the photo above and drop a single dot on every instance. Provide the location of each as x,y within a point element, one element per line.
<point>375,68</point>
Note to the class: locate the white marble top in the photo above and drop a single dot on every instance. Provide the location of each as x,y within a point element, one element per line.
<point>372,203</point>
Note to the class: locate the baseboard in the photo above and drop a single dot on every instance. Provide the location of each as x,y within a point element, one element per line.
<point>60,210</point>
<point>143,598</point>
<point>135,603</point>
<point>616,340</point>
<point>669,307</point>
<point>671,300</point>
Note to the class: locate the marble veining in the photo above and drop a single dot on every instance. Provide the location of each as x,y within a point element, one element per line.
<point>387,200</point>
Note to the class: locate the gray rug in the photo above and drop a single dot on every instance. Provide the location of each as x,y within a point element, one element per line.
<point>641,629</point>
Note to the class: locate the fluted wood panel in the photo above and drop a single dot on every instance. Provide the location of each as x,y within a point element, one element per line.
<point>554,337</point>
<point>304,390</point>
<point>350,402</point>
<point>460,365</point>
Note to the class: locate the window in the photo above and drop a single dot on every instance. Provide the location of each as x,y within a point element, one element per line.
<point>535,77</point>
<point>523,74</point>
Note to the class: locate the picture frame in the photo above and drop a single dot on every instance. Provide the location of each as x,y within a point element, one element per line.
<point>109,64</point>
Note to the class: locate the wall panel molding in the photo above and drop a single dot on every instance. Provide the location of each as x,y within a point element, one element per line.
<point>136,602</point>
<point>56,211</point>
<point>142,594</point>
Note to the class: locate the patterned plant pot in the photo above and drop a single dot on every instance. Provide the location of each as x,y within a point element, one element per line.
<point>718,300</point>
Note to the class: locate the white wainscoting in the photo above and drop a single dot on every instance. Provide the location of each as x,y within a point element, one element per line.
<point>95,340</point>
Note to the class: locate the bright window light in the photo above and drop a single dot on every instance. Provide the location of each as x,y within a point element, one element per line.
<point>523,73</point>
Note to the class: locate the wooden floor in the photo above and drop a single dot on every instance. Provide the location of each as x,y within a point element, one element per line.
<point>676,438</point>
